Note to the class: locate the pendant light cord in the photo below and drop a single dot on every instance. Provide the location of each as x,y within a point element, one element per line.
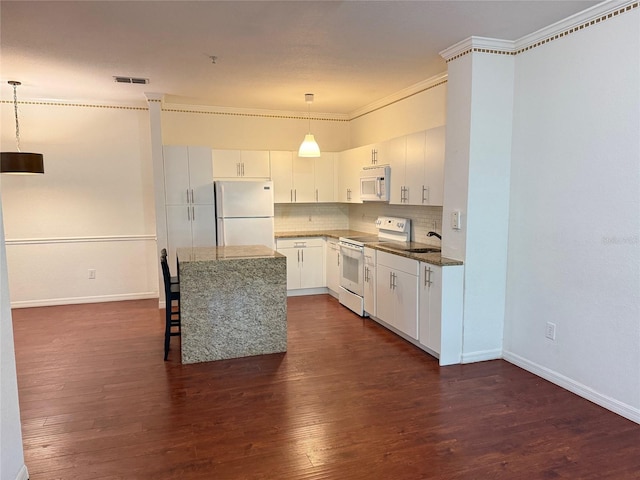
<point>15,109</point>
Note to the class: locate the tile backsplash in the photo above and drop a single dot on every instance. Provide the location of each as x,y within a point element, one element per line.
<point>297,217</point>
<point>338,216</point>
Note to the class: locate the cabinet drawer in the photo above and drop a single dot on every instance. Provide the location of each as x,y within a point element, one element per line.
<point>300,242</point>
<point>397,262</point>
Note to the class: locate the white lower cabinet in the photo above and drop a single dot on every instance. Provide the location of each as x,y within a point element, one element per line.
<point>370,281</point>
<point>333,265</point>
<point>305,261</point>
<point>430,306</point>
<point>397,292</point>
<point>440,319</point>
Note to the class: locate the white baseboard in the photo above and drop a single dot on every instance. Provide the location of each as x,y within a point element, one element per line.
<point>23,474</point>
<point>579,389</point>
<point>49,302</point>
<point>482,356</point>
<point>307,291</point>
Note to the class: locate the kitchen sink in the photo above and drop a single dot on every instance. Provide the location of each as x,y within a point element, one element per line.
<point>422,250</point>
<point>404,247</point>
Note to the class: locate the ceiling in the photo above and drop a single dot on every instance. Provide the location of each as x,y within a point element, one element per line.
<point>269,53</point>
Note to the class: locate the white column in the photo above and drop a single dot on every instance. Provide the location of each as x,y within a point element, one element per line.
<point>155,119</point>
<point>477,176</point>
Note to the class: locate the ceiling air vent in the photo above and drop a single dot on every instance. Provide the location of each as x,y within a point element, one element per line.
<point>139,81</point>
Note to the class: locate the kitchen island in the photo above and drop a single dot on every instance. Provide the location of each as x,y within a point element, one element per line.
<point>233,302</point>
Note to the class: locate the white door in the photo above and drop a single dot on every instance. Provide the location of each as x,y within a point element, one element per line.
<point>178,231</point>
<point>176,174</point>
<point>246,231</point>
<point>200,175</point>
<point>282,176</point>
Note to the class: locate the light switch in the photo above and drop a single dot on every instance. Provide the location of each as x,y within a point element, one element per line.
<point>455,219</point>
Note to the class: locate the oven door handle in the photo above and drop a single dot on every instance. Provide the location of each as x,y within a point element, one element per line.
<point>349,247</point>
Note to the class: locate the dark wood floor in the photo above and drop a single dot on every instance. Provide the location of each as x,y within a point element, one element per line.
<point>349,400</point>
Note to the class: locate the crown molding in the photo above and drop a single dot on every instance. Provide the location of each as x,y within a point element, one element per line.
<point>251,112</point>
<point>494,45</point>
<point>590,14</point>
<point>400,95</point>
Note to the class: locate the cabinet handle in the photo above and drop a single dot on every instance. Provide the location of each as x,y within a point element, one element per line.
<point>316,194</point>
<point>188,214</point>
<point>390,280</point>
<point>298,256</point>
<point>425,190</point>
<point>193,213</point>
<point>291,195</point>
<point>192,200</point>
<point>302,256</point>
<point>243,169</point>
<point>406,194</point>
<point>427,276</point>
<point>295,195</point>
<point>338,259</point>
<point>187,195</point>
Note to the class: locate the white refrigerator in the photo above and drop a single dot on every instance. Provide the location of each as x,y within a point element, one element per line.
<point>244,212</point>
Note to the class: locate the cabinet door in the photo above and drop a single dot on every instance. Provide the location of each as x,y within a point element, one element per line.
<point>351,163</point>
<point>429,330</point>
<point>385,304</point>
<point>325,178</point>
<point>434,165</point>
<point>312,267</point>
<point>203,225</point>
<point>282,176</point>
<point>414,170</point>
<point>303,180</point>
<point>226,163</point>
<point>370,281</point>
<point>293,266</point>
<point>406,297</point>
<point>255,164</point>
<point>333,265</point>
<point>176,174</point>
<point>393,153</point>
<point>178,231</point>
<point>201,175</point>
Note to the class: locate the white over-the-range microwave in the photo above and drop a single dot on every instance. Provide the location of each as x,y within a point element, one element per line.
<point>374,184</point>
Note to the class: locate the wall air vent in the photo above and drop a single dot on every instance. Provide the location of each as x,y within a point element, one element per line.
<point>139,81</point>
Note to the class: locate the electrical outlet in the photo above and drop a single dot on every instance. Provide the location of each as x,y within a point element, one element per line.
<point>92,274</point>
<point>550,331</point>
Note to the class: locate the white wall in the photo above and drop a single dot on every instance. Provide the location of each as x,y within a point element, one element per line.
<point>11,452</point>
<point>92,209</point>
<point>420,111</point>
<point>574,236</point>
<point>250,131</point>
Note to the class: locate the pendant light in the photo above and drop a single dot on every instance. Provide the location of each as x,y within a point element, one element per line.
<point>20,162</point>
<point>309,147</point>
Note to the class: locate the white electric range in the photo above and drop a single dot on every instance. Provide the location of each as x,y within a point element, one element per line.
<point>391,229</point>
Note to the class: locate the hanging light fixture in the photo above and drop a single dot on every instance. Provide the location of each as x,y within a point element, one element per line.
<point>20,162</point>
<point>309,147</point>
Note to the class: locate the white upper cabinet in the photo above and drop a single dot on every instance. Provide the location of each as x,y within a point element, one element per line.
<point>188,177</point>
<point>241,164</point>
<point>434,166</point>
<point>282,176</point>
<point>325,177</point>
<point>419,179</point>
<point>350,163</point>
<point>302,180</point>
<point>394,152</point>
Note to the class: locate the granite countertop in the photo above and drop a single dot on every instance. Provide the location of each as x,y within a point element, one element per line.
<point>322,233</point>
<point>434,258</point>
<point>235,252</point>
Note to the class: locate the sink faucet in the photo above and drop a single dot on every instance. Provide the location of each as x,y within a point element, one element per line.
<point>434,234</point>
